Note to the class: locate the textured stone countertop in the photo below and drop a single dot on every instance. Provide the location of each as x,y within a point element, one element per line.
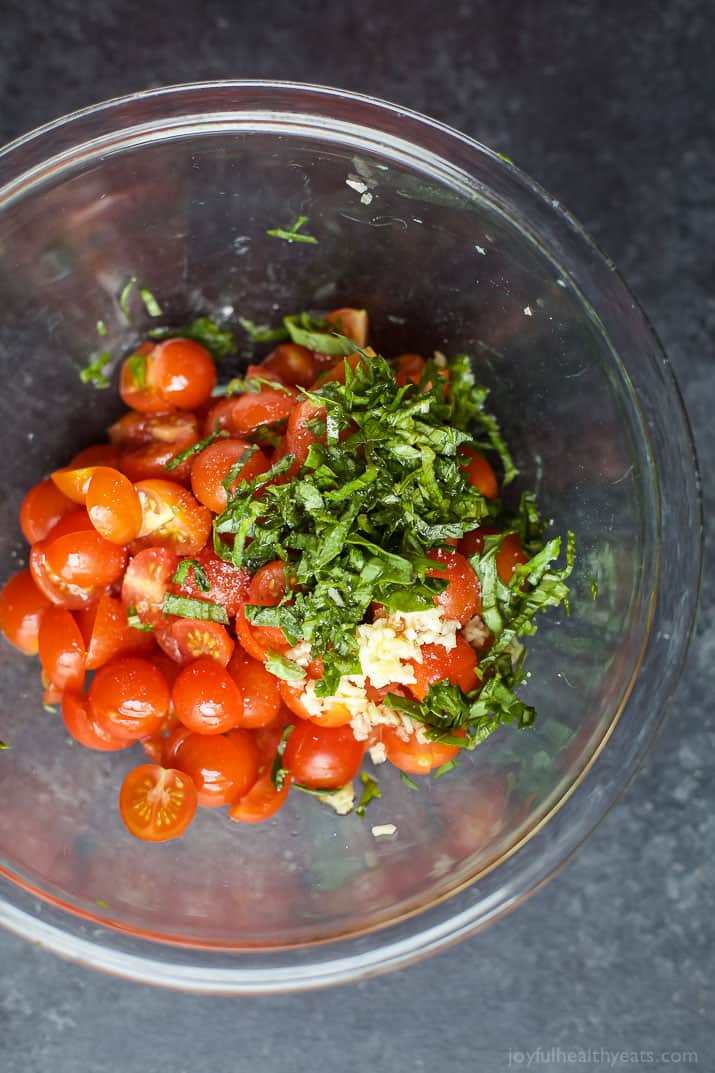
<point>610,106</point>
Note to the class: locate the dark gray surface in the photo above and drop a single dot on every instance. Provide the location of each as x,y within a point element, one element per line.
<point>613,113</point>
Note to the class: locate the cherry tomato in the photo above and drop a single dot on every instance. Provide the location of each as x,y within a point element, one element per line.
<point>259,408</point>
<point>414,757</point>
<point>337,372</point>
<point>212,465</point>
<point>129,697</point>
<point>480,473</point>
<point>53,587</point>
<point>98,454</point>
<point>351,323</point>
<point>410,367</point>
<point>322,757</point>
<point>171,518</point>
<point>73,483</point>
<point>251,640</point>
<point>113,506</point>
<point>183,372</point>
<point>267,589</point>
<point>228,584</point>
<point>41,509</point>
<point>299,436</point>
<point>157,804</point>
<point>293,364</point>
<point>61,647</point>
<point>21,608</point>
<point>510,555</point>
<point>263,800</point>
<point>133,430</point>
<point>187,639</point>
<point>259,690</point>
<point>222,767</point>
<point>135,382</point>
<point>206,698</point>
<point>462,599</point>
<point>337,715</point>
<point>146,583</point>
<point>458,666</point>
<point>83,728</point>
<point>85,559</point>
<point>110,634</point>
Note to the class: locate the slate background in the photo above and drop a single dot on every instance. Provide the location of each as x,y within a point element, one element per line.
<point>611,107</point>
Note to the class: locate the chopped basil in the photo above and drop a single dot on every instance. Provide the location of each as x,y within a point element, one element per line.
<point>262,333</point>
<point>278,772</point>
<point>51,708</point>
<point>200,577</point>
<point>404,777</point>
<point>220,342</point>
<point>150,303</point>
<point>293,233</point>
<point>318,335</point>
<point>187,607</point>
<point>287,669</point>
<point>93,374</point>
<point>594,588</point>
<point>101,328</point>
<point>196,448</point>
<point>136,623</point>
<point>371,792</point>
<point>450,765</point>
<point>100,903</point>
<point>3,745</point>
<point>125,295</point>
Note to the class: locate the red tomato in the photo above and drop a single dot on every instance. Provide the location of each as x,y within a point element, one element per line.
<point>351,323</point>
<point>267,589</point>
<point>410,367</point>
<point>221,767</point>
<point>322,757</point>
<point>157,804</point>
<point>85,559</point>
<point>337,715</point>
<point>510,555</point>
<point>41,509</point>
<point>99,454</point>
<point>228,585</point>
<point>135,382</point>
<point>259,408</point>
<point>53,587</point>
<point>298,436</point>
<point>113,506</point>
<point>212,466</point>
<point>480,473</point>
<point>263,800</point>
<point>148,442</point>
<point>61,647</point>
<point>251,639</point>
<point>259,690</point>
<point>183,372</point>
<point>146,583</point>
<point>110,634</point>
<point>293,364</point>
<point>413,757</point>
<point>171,518</point>
<point>83,728</point>
<point>187,639</point>
<point>73,483</point>
<point>462,599</point>
<point>337,372</point>
<point>21,608</point>
<point>458,666</point>
<point>206,698</point>
<point>129,697</point>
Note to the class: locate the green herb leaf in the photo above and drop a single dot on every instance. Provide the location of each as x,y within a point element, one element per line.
<point>93,374</point>
<point>125,295</point>
<point>318,335</point>
<point>101,328</point>
<point>287,669</point>
<point>200,576</point>
<point>404,777</point>
<point>150,303</point>
<point>450,765</point>
<point>186,607</point>
<point>136,363</point>
<point>100,903</point>
<point>51,708</point>
<point>278,772</point>
<point>371,792</point>
<point>135,622</point>
<point>196,448</point>
<point>594,588</point>
<point>3,745</point>
<point>293,233</point>
<point>263,333</point>
<point>220,342</point>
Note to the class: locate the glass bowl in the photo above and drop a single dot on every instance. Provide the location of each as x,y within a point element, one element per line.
<point>449,246</point>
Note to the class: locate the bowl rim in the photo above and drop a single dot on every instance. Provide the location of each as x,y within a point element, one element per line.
<point>149,970</point>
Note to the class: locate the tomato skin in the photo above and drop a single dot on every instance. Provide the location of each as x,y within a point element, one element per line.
<point>156,803</point>
<point>183,372</point>
<point>140,396</point>
<point>172,518</point>
<point>322,757</point>
<point>352,323</point>
<point>458,666</point>
<point>259,690</point>
<point>110,634</point>
<point>462,599</point>
<point>292,364</point>
<point>266,589</point>
<point>222,767</point>
<point>480,473</point>
<point>298,436</point>
<point>263,800</point>
<point>146,582</point>
<point>98,454</point>
<point>85,559</point>
<point>413,757</point>
<point>212,465</point>
<point>206,698</point>
<point>410,367</point>
<point>41,509</point>
<point>81,726</point>
<point>187,639</point>
<point>148,442</point>
<point>113,506</point>
<point>337,372</point>
<point>228,584</point>
<point>510,555</point>
<point>259,408</point>
<point>61,647</point>
<point>21,608</point>
<point>73,597</point>
<point>129,698</point>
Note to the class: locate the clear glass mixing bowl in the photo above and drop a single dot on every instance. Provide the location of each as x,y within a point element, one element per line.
<point>448,246</point>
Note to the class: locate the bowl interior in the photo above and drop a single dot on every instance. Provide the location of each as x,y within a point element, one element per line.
<point>440,262</point>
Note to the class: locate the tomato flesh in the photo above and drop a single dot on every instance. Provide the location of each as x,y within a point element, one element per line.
<point>156,803</point>
<point>113,506</point>
<point>457,665</point>
<point>187,639</point>
<point>61,647</point>
<point>414,757</point>
<point>41,509</point>
<point>212,465</point>
<point>462,599</point>
<point>22,605</point>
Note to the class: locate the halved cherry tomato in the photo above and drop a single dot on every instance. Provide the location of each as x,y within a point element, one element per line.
<point>183,372</point>
<point>510,555</point>
<point>299,436</point>
<point>135,382</point>
<point>74,482</point>
<point>110,633</point>
<point>57,591</point>
<point>410,367</point>
<point>187,639</point>
<point>83,728</point>
<point>458,665</point>
<point>61,647</point>
<point>414,757</point>
<point>263,800</point>
<point>351,323</point>
<point>480,473</point>
<point>222,767</point>
<point>259,408</point>
<point>228,585</point>
<point>322,757</point>
<point>206,698</point>
<point>157,804</point>
<point>293,364</point>
<point>21,608</point>
<point>85,559</point>
<point>149,442</point>
<point>259,690</point>
<point>41,509</point>
<point>98,454</point>
<point>211,467</point>
<point>337,372</point>
<point>113,506</point>
<point>462,599</point>
<point>251,640</point>
<point>292,693</point>
<point>267,588</point>
<point>171,518</point>
<point>146,583</point>
<point>129,698</point>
